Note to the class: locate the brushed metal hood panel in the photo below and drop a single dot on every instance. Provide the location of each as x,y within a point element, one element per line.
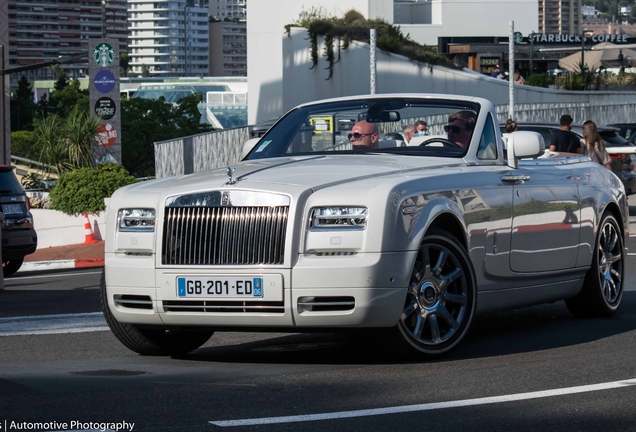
<point>313,172</point>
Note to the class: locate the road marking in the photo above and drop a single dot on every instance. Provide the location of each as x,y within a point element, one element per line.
<point>50,276</point>
<point>52,324</point>
<point>426,407</point>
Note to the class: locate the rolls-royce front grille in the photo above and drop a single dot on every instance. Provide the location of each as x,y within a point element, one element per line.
<point>224,235</point>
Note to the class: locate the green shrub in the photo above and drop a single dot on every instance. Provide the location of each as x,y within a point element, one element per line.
<point>573,82</point>
<point>23,145</point>
<point>84,189</point>
<point>539,80</point>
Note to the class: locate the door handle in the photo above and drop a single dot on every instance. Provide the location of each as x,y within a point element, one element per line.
<point>515,178</point>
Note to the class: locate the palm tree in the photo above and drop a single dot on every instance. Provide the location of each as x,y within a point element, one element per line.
<point>67,143</point>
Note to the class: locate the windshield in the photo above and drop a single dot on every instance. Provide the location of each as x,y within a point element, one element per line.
<point>428,127</point>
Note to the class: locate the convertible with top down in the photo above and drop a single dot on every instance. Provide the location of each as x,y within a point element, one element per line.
<point>405,242</point>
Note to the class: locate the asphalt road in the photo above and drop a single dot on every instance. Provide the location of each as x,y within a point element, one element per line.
<point>530,369</point>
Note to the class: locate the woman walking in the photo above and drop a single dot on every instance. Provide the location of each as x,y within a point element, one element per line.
<point>593,145</point>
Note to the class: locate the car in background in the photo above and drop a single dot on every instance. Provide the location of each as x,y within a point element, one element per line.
<point>623,164</point>
<point>19,238</point>
<point>627,131</point>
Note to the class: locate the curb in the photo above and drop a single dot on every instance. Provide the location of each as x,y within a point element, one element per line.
<point>61,264</point>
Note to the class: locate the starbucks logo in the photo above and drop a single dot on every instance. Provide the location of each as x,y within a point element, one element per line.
<point>104,54</point>
<point>518,37</point>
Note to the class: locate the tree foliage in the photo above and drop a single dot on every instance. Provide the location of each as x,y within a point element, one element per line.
<point>69,98</point>
<point>83,190</point>
<point>22,106</point>
<point>146,121</point>
<point>62,81</point>
<point>23,145</point>
<point>67,143</point>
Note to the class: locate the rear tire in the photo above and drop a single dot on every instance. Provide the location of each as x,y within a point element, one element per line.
<point>151,342</point>
<point>10,267</point>
<point>602,290</point>
<point>440,301</point>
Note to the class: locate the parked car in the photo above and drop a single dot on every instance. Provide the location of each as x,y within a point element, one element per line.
<point>623,153</point>
<point>403,243</point>
<point>627,131</point>
<point>19,238</point>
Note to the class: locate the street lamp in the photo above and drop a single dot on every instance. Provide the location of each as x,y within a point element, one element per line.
<point>4,104</point>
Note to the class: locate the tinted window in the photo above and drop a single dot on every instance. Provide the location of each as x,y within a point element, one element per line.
<point>612,139</point>
<point>9,183</point>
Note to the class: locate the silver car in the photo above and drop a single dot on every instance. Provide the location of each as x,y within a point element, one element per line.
<point>321,228</point>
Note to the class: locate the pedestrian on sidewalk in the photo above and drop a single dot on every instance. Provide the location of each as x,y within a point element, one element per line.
<point>565,140</point>
<point>593,145</point>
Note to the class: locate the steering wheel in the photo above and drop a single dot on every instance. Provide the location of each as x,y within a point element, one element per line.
<point>445,143</point>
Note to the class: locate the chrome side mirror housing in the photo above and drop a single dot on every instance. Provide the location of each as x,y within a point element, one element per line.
<point>524,144</point>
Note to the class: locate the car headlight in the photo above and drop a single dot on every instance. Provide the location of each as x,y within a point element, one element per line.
<point>136,220</point>
<point>339,217</point>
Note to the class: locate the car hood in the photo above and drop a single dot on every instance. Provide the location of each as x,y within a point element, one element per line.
<point>315,172</point>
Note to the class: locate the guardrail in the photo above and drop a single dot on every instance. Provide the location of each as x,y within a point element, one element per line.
<point>31,163</point>
<point>222,148</point>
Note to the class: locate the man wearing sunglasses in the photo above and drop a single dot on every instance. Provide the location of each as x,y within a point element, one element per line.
<point>364,136</point>
<point>460,127</point>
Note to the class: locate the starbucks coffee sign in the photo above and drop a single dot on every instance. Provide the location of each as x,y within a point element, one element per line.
<point>576,38</point>
<point>104,54</point>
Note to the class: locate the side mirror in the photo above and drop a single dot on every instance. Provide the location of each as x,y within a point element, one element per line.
<point>248,146</point>
<point>524,144</point>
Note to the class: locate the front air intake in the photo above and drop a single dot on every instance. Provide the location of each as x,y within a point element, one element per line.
<point>326,304</point>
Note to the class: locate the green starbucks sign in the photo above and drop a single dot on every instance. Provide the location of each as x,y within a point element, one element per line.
<point>104,54</point>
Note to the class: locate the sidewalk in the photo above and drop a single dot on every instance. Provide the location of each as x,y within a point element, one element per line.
<point>61,257</point>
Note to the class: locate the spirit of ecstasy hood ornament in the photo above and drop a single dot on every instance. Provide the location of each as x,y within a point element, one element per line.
<point>230,171</point>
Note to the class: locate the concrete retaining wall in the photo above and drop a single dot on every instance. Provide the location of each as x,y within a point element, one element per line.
<point>55,228</point>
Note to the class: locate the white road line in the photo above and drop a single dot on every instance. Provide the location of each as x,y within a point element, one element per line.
<point>426,407</point>
<point>52,324</point>
<point>48,276</point>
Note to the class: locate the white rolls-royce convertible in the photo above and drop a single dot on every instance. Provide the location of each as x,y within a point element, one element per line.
<point>324,226</point>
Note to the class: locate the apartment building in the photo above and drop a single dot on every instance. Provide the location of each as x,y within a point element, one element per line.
<point>228,48</point>
<point>43,30</point>
<point>168,37</point>
<point>560,16</point>
<point>228,9</point>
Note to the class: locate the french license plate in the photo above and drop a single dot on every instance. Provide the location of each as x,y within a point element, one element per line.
<point>11,208</point>
<point>225,287</point>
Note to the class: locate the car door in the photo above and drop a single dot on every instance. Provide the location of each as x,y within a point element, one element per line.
<point>546,217</point>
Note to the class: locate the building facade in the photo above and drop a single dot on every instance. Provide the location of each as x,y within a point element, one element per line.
<point>228,48</point>
<point>43,30</point>
<point>168,37</point>
<point>560,16</point>
<point>228,9</point>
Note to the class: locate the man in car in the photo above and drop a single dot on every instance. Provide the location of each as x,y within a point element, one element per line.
<point>460,127</point>
<point>364,136</point>
<point>564,140</point>
<point>408,132</point>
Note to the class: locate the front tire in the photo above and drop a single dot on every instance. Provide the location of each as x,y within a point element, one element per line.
<point>9,268</point>
<point>602,290</point>
<point>151,342</point>
<point>440,301</point>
